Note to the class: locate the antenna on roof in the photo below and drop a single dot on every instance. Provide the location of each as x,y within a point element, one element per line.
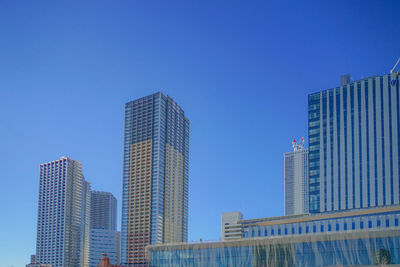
<point>398,61</point>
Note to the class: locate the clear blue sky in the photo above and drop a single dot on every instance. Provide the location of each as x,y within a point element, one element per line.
<point>241,70</point>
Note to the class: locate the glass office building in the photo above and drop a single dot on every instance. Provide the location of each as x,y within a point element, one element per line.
<point>62,214</point>
<point>354,145</point>
<point>359,248</point>
<point>155,176</point>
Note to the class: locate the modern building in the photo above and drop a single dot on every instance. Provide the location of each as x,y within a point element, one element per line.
<point>354,145</point>
<point>334,222</point>
<point>296,179</point>
<point>230,226</point>
<point>155,176</point>
<point>357,248</point>
<point>104,241</point>
<point>61,240</point>
<point>103,211</point>
<point>104,237</point>
<point>312,224</point>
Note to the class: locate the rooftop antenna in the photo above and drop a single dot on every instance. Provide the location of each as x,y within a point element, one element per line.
<point>392,70</point>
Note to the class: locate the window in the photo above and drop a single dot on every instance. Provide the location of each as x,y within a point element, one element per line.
<point>266,232</point>
<point>299,229</point>
<point>307,229</point>
<point>369,224</point>
<point>353,225</point>
<point>345,226</point>
<point>378,223</point>
<point>387,223</point>
<point>279,231</point>
<point>285,231</point>
<point>322,229</point>
<point>272,231</point>
<point>314,228</point>
<point>292,230</point>
<point>361,225</point>
<point>337,227</point>
<point>329,227</point>
<point>396,222</point>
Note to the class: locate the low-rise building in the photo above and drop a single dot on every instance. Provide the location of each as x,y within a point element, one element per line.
<point>230,226</point>
<point>356,248</point>
<point>306,224</point>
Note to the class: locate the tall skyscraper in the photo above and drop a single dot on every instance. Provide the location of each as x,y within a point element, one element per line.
<point>296,179</point>
<point>61,208</point>
<point>354,145</point>
<point>103,211</point>
<point>104,237</point>
<point>155,176</point>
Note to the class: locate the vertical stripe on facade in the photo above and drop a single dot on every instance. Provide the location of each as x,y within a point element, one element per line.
<point>358,146</point>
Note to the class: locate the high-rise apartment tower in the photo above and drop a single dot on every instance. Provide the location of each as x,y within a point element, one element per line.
<point>296,179</point>
<point>61,223</point>
<point>104,237</point>
<point>354,145</point>
<point>155,176</point>
<point>103,211</point>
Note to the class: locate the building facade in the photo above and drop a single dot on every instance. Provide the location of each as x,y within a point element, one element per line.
<point>104,237</point>
<point>230,226</point>
<point>60,225</point>
<point>358,248</point>
<point>103,211</point>
<point>312,224</point>
<point>104,241</point>
<point>155,176</point>
<point>354,145</point>
<point>335,222</point>
<point>296,179</point>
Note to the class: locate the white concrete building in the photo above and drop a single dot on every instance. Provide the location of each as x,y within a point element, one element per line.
<point>230,228</point>
<point>296,180</point>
